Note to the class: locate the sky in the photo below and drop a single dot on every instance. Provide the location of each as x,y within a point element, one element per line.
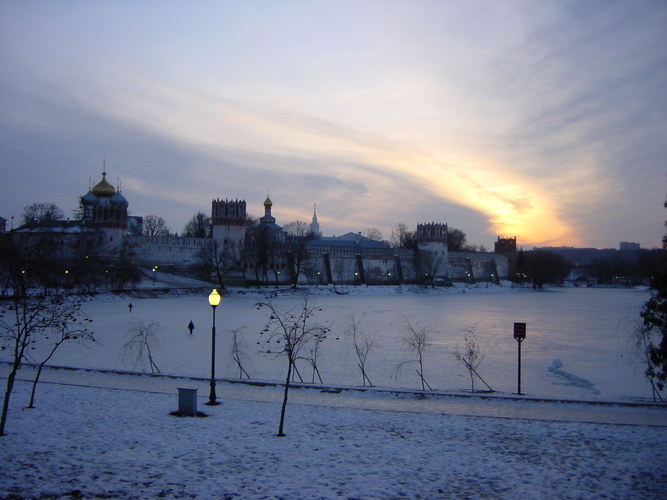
<point>541,120</point>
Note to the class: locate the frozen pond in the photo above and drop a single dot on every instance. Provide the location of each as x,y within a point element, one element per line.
<point>579,342</point>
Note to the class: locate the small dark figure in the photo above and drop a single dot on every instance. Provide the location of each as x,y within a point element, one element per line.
<point>129,306</point>
<point>191,326</point>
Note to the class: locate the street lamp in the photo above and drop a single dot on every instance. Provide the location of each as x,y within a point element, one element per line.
<point>214,300</point>
<point>519,336</point>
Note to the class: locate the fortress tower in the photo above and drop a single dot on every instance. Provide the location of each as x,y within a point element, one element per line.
<point>432,239</point>
<point>505,245</point>
<point>432,232</point>
<point>228,221</point>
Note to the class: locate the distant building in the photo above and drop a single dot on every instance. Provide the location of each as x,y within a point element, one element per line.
<point>267,224</point>
<point>105,227</point>
<point>580,257</point>
<point>348,240</point>
<point>3,225</point>
<point>105,209</point>
<point>102,226</point>
<point>629,247</point>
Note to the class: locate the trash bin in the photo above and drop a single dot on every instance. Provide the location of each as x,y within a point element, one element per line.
<point>187,401</point>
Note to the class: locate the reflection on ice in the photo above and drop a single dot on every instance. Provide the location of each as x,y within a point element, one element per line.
<point>566,378</point>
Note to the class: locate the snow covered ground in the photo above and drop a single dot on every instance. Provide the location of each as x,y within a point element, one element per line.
<point>579,342</point>
<point>96,435</point>
<point>83,442</point>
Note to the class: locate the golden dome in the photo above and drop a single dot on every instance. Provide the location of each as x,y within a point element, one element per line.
<point>103,188</point>
<point>268,202</point>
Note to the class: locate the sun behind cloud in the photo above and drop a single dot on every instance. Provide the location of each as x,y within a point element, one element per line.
<point>513,205</point>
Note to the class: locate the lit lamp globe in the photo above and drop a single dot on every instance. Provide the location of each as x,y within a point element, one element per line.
<point>214,298</point>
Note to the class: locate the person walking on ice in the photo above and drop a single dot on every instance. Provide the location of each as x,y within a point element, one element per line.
<point>191,326</point>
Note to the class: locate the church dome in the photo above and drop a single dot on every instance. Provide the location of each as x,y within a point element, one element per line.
<point>88,199</point>
<point>118,200</point>
<point>268,202</point>
<point>103,188</point>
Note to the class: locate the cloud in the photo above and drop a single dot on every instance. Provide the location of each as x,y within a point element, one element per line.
<point>269,139</point>
<point>540,120</point>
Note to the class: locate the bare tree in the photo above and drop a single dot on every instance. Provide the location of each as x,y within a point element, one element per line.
<point>429,264</point>
<point>197,227</point>
<point>138,350</point>
<point>362,347</point>
<point>471,356</point>
<point>297,228</point>
<point>312,360</point>
<point>402,237</point>
<point>456,240</point>
<point>238,353</point>
<point>219,260</point>
<point>287,332</point>
<point>155,226</point>
<point>70,327</point>
<point>372,233</point>
<point>40,213</point>
<point>122,271</point>
<point>417,341</point>
<point>296,248</point>
<point>26,315</point>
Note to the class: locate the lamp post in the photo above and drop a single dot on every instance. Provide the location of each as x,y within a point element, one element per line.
<point>214,300</point>
<point>519,336</point>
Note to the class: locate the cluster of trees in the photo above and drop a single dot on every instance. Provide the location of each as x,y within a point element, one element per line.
<point>41,213</point>
<point>539,267</point>
<point>82,267</point>
<point>620,268</point>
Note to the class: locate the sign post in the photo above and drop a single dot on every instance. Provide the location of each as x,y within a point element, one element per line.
<point>519,336</point>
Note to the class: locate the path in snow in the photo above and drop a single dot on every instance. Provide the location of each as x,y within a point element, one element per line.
<point>492,405</point>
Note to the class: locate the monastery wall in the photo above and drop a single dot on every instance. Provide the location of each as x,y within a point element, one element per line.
<point>345,264</point>
<point>173,251</point>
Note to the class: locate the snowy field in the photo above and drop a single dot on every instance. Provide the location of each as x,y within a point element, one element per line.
<point>117,439</point>
<point>579,344</point>
<point>99,443</point>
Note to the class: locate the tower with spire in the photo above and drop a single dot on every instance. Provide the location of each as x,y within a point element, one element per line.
<point>314,225</point>
<point>267,224</point>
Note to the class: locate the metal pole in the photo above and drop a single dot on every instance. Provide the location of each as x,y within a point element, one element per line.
<point>211,397</point>
<point>518,390</point>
